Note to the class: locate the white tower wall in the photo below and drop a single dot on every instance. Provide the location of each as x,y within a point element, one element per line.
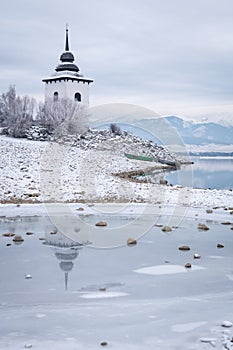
<point>67,89</point>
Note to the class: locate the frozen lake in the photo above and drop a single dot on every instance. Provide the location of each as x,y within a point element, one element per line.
<point>57,295</point>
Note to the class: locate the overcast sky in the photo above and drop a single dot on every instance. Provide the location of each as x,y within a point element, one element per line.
<point>173,56</point>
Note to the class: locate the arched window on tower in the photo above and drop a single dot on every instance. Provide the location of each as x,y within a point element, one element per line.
<point>77,97</point>
<point>55,96</point>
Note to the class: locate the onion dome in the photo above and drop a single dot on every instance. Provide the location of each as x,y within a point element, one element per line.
<point>67,67</point>
<point>67,255</point>
<point>66,266</point>
<point>67,58</point>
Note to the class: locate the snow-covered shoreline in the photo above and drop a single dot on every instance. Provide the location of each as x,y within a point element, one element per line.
<point>219,214</point>
<point>41,172</point>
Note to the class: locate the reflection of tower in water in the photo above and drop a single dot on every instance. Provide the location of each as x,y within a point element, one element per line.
<point>66,251</point>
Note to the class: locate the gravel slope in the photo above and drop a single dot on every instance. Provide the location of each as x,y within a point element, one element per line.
<point>34,171</point>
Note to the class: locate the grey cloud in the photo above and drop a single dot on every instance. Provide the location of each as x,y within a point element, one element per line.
<point>156,50</point>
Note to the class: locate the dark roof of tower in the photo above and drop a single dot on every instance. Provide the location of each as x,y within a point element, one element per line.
<point>67,58</point>
<point>67,67</point>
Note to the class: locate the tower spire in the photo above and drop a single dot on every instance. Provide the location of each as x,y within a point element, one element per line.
<point>67,38</point>
<point>66,280</point>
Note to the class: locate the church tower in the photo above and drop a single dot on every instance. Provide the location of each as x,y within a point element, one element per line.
<point>67,82</point>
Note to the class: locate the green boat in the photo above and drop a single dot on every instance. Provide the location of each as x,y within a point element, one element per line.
<point>150,159</point>
<point>133,156</point>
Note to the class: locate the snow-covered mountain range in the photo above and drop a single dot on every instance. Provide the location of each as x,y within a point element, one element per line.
<point>173,130</point>
<point>202,133</point>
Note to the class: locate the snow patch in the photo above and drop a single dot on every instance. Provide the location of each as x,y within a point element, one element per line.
<point>166,269</point>
<point>103,295</point>
<point>187,327</point>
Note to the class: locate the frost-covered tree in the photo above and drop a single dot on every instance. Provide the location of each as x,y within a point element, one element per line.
<point>115,129</point>
<point>63,117</point>
<point>23,118</point>
<point>7,105</point>
<point>16,112</point>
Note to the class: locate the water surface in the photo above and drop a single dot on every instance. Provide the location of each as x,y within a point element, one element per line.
<point>79,296</point>
<point>206,172</point>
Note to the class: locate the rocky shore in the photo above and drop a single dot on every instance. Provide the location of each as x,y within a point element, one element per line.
<point>91,169</point>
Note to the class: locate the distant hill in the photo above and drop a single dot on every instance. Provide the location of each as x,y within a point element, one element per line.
<point>173,128</point>
<point>204,133</point>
